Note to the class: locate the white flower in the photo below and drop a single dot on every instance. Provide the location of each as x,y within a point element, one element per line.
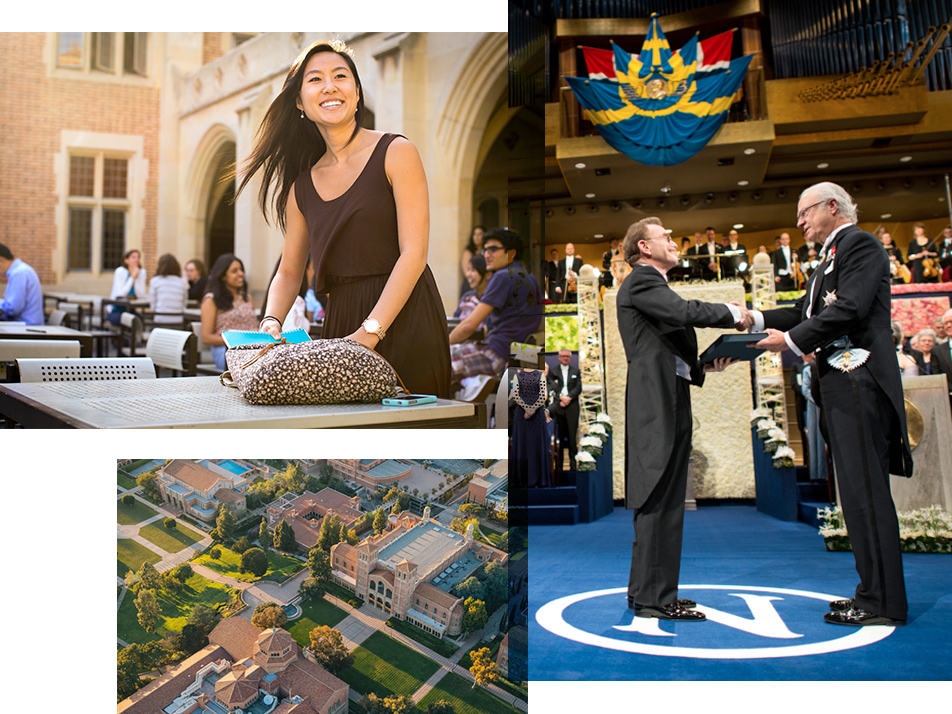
<point>777,435</point>
<point>584,456</point>
<point>599,431</point>
<point>603,418</point>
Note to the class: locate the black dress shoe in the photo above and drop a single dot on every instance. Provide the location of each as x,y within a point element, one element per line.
<point>841,605</point>
<point>858,617</point>
<point>681,602</point>
<point>670,612</point>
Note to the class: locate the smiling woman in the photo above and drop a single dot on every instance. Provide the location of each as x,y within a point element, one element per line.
<point>360,209</point>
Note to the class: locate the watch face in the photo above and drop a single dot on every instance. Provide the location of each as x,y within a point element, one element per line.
<point>371,325</point>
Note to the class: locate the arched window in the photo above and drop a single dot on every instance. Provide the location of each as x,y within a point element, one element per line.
<point>373,586</point>
<point>389,593</point>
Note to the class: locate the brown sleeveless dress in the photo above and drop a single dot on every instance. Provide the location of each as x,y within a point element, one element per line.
<point>354,246</point>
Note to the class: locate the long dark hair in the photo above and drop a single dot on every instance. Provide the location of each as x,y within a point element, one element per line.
<point>286,145</point>
<point>221,294</point>
<point>471,246</point>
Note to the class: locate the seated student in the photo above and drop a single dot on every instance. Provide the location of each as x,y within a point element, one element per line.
<point>477,277</point>
<point>129,281</point>
<point>23,297</point>
<point>168,291</point>
<point>197,279</point>
<point>226,306</point>
<point>511,307</point>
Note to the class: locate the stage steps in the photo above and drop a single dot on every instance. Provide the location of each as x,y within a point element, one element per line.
<point>554,506</point>
<point>811,497</point>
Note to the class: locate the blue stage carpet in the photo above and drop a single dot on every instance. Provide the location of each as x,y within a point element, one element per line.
<point>764,584</point>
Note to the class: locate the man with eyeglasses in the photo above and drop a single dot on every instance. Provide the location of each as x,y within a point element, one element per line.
<point>511,307</point>
<point>844,319</point>
<point>657,330</point>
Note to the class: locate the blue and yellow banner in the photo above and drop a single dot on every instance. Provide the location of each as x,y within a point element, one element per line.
<point>658,110</point>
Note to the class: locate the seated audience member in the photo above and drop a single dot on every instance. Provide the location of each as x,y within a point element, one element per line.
<point>226,306</point>
<point>923,353</point>
<point>168,291</point>
<point>511,307</point>
<point>23,297</point>
<point>477,277</point>
<point>907,362</point>
<point>128,281</point>
<point>197,279</point>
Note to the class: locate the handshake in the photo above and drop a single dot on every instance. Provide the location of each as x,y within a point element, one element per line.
<point>746,318</point>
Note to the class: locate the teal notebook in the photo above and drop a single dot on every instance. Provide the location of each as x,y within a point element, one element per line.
<point>234,338</point>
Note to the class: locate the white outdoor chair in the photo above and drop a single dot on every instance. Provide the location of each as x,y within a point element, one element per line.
<point>173,349</point>
<point>12,350</point>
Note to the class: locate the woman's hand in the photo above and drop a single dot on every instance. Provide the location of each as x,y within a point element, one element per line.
<point>365,338</point>
<point>271,327</point>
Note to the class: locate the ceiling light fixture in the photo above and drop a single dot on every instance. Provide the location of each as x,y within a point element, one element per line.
<point>580,165</point>
<point>589,195</point>
<point>599,235</point>
<point>738,226</point>
<point>743,182</point>
<point>750,151</point>
<point>904,159</point>
<point>886,215</point>
<point>824,165</point>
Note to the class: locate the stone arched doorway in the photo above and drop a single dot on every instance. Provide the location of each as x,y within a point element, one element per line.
<point>219,233</point>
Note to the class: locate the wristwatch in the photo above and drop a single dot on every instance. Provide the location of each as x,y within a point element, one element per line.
<point>372,327</point>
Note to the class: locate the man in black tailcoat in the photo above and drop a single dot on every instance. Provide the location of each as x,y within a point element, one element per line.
<point>844,319</point>
<point>565,386</point>
<point>657,330</point>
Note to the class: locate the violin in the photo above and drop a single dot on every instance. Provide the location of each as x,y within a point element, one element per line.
<point>929,268</point>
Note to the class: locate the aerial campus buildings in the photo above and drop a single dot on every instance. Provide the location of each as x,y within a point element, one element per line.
<point>409,569</point>
<point>243,669</point>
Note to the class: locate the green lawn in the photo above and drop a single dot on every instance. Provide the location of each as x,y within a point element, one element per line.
<point>131,555</point>
<point>175,609</point>
<point>124,480</point>
<point>171,540</point>
<point>465,700</point>
<point>314,614</point>
<point>280,567</point>
<point>136,513</point>
<point>384,666</point>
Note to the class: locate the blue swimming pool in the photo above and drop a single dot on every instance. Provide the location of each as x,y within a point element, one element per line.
<point>235,468</point>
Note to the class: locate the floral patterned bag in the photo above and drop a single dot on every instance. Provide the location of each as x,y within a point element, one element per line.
<point>336,371</point>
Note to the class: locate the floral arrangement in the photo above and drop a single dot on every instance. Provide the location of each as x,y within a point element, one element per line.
<point>605,421</point>
<point>591,444</point>
<point>584,461</point>
<point>599,431</point>
<point>924,530</point>
<point>783,457</point>
<point>775,440</point>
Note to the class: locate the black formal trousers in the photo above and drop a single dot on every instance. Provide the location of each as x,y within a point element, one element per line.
<point>566,430</point>
<point>860,419</point>
<point>659,522</point>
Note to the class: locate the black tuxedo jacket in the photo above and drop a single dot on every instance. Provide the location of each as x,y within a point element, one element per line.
<point>656,325</point>
<point>779,261</point>
<point>851,298</point>
<point>563,268</point>
<point>942,364</point>
<point>803,252</point>
<point>556,384</point>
